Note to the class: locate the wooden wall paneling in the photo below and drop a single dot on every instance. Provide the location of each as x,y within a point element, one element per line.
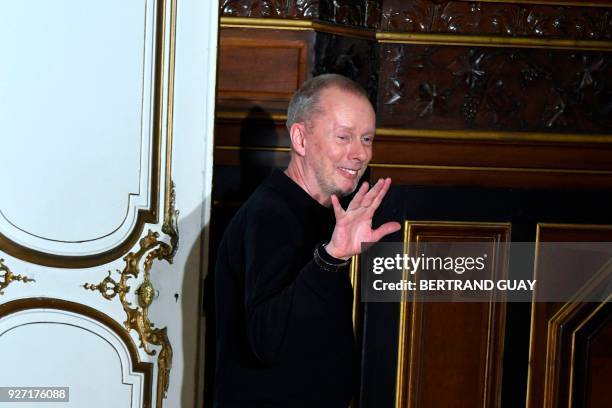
<point>259,67</point>
<point>455,347</point>
<point>493,163</point>
<point>555,326</point>
<point>507,18</point>
<point>432,175</point>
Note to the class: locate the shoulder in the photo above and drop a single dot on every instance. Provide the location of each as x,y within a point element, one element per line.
<point>268,205</point>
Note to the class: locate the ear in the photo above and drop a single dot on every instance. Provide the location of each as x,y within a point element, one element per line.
<point>298,138</point>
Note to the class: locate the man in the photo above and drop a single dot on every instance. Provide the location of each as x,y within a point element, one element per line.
<point>283,296</point>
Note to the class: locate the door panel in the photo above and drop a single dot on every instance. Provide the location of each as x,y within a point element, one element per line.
<point>107,115</point>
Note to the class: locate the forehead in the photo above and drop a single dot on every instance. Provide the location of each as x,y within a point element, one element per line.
<point>347,108</point>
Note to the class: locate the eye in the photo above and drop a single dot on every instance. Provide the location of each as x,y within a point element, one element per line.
<point>343,137</point>
<point>367,139</point>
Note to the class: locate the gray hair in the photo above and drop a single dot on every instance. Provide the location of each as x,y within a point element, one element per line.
<point>304,102</point>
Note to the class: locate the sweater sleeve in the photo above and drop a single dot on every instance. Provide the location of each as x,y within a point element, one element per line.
<point>279,290</point>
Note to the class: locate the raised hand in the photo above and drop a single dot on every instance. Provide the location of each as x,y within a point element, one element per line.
<point>354,225</point>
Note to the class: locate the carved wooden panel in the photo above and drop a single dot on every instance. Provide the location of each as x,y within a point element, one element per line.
<point>351,57</point>
<point>270,8</point>
<point>355,13</point>
<point>554,324</point>
<point>455,347</point>
<point>454,87</point>
<point>506,19</point>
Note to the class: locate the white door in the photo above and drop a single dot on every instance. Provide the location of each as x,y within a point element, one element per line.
<point>106,118</point>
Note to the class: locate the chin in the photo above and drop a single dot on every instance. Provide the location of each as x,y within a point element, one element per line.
<point>347,190</point>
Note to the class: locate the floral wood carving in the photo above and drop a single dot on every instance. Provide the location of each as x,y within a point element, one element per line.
<point>360,13</point>
<point>270,8</point>
<point>351,57</point>
<point>505,19</point>
<point>453,87</point>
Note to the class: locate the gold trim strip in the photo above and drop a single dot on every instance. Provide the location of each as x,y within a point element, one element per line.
<point>551,3</point>
<point>495,135</point>
<point>278,117</point>
<point>490,41</point>
<point>255,148</point>
<point>355,283</point>
<point>571,226</point>
<point>484,168</point>
<point>275,23</point>
<point>298,25</point>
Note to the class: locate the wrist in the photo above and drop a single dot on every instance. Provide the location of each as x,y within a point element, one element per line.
<point>333,252</point>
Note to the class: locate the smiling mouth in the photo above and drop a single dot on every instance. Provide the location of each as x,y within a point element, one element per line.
<point>348,172</point>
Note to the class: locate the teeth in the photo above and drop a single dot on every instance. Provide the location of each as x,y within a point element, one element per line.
<point>349,170</point>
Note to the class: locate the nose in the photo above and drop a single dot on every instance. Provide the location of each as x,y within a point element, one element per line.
<point>359,151</point>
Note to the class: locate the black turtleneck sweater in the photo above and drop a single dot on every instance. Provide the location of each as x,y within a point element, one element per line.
<point>284,328</point>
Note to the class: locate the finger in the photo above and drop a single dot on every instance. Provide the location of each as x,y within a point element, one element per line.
<point>369,197</point>
<point>338,211</point>
<point>356,201</point>
<point>385,229</point>
<point>381,194</point>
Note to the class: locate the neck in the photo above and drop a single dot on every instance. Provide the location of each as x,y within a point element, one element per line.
<point>296,172</point>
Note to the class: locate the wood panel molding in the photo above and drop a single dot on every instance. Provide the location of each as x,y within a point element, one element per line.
<point>469,364</point>
<point>150,214</point>
<point>237,80</point>
<point>555,326</point>
<point>145,368</point>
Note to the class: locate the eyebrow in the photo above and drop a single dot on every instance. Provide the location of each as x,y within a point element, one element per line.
<point>351,128</point>
<point>345,127</point>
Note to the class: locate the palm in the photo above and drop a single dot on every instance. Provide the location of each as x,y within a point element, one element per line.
<point>354,225</point>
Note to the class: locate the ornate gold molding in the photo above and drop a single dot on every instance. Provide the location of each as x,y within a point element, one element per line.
<point>9,277</point>
<point>151,248</point>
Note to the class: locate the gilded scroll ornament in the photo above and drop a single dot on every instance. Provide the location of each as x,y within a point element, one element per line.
<point>8,277</point>
<point>151,248</point>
